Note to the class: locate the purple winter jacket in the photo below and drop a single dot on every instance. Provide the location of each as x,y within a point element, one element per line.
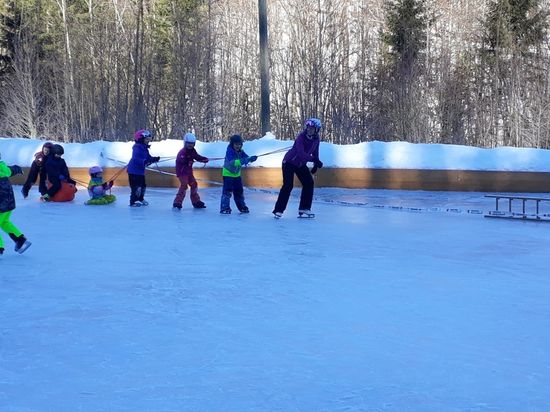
<point>140,159</point>
<point>184,161</point>
<point>304,150</point>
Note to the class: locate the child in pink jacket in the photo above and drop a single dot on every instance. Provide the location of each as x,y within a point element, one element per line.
<point>184,172</point>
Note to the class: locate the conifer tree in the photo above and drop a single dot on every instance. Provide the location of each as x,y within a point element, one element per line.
<point>398,111</point>
<point>405,34</point>
<point>513,69</point>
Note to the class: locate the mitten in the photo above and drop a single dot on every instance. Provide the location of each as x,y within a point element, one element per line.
<point>252,159</point>
<point>155,159</point>
<point>318,164</point>
<point>16,170</point>
<point>314,170</point>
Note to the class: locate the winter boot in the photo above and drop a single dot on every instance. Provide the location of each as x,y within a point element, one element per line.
<point>25,192</point>
<point>176,206</point>
<point>199,205</point>
<point>244,209</point>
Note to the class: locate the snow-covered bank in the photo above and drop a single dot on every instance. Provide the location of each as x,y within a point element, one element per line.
<point>392,155</point>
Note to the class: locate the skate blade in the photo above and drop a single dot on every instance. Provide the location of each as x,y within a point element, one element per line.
<point>25,246</point>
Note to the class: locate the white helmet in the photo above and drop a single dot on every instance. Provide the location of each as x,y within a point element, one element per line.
<point>189,138</point>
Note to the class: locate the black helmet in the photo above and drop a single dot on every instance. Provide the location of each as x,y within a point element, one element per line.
<point>57,149</point>
<point>236,138</point>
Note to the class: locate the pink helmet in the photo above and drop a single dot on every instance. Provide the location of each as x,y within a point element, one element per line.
<point>95,169</point>
<point>140,134</point>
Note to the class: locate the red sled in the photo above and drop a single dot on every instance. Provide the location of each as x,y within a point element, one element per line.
<point>65,194</point>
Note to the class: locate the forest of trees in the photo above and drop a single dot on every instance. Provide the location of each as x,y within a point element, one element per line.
<point>473,72</point>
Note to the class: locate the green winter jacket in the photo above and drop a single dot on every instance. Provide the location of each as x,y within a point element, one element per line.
<point>7,199</point>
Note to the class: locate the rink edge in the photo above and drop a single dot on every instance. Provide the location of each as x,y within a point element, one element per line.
<point>401,179</point>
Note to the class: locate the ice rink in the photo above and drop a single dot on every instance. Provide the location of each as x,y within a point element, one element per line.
<point>386,301</point>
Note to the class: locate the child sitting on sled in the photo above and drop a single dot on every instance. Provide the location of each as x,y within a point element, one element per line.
<point>97,188</point>
<point>61,187</point>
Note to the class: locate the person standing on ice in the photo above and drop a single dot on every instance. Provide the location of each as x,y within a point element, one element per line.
<point>36,170</point>
<point>7,206</point>
<point>235,158</point>
<point>136,167</point>
<point>304,150</point>
<point>184,172</point>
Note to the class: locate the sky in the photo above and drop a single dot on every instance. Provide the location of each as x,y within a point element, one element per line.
<point>386,301</point>
<point>385,155</point>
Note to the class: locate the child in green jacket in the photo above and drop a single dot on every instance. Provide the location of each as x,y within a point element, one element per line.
<point>235,158</point>
<point>7,205</point>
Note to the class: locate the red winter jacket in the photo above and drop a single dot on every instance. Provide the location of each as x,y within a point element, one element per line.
<point>184,161</point>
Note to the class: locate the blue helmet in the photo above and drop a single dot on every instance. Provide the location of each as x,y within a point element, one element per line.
<point>313,122</point>
<point>189,138</point>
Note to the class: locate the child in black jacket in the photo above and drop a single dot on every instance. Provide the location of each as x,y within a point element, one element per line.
<point>57,171</point>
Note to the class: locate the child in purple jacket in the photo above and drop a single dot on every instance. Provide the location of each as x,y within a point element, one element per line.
<point>184,172</point>
<point>136,167</point>
<point>304,150</point>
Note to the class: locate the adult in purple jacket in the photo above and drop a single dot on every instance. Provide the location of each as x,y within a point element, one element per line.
<point>184,172</point>
<point>136,167</point>
<point>304,150</point>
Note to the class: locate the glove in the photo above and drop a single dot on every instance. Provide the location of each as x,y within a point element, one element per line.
<point>252,159</point>
<point>318,164</point>
<point>155,159</point>
<point>314,170</point>
<point>16,170</point>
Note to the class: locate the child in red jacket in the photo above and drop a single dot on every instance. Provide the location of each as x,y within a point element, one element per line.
<point>184,172</point>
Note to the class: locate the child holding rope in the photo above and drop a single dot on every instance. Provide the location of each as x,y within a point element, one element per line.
<point>184,172</point>
<point>97,188</point>
<point>136,167</point>
<point>7,205</point>
<point>235,158</point>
